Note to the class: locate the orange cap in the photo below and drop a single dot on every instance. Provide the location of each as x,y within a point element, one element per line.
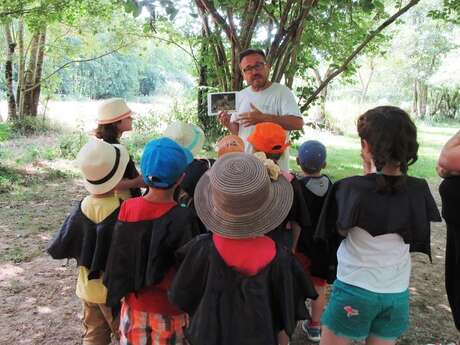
<point>230,143</point>
<point>268,137</point>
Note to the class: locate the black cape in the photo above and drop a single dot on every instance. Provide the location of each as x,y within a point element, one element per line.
<point>87,242</point>
<point>298,213</point>
<point>314,204</point>
<point>228,308</point>
<point>354,201</point>
<point>450,196</point>
<point>143,252</point>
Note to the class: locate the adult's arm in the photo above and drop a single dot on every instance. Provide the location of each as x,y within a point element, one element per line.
<point>288,122</point>
<point>255,116</point>
<point>449,159</point>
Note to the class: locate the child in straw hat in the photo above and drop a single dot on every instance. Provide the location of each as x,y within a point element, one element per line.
<point>238,285</point>
<point>141,263</point>
<point>114,117</point>
<point>87,232</point>
<point>269,142</point>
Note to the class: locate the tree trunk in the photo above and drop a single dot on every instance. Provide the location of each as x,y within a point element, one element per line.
<point>27,91</point>
<point>10,47</point>
<point>38,72</point>
<point>420,98</point>
<point>21,61</point>
<point>321,115</point>
<point>202,83</point>
<point>365,84</point>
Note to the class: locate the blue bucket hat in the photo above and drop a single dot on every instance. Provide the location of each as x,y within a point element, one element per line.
<point>163,162</point>
<point>312,155</point>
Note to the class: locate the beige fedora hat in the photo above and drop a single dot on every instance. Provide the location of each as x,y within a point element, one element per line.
<point>237,199</point>
<point>112,110</point>
<point>102,165</point>
<point>188,135</point>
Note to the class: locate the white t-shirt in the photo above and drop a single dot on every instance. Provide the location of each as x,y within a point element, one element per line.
<point>380,264</point>
<point>275,100</point>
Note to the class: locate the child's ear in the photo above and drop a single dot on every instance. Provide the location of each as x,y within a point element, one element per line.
<point>365,147</point>
<point>324,165</point>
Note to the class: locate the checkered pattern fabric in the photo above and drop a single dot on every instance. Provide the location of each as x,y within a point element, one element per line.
<point>143,328</point>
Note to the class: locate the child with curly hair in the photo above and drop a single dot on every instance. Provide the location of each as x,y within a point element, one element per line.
<point>383,215</point>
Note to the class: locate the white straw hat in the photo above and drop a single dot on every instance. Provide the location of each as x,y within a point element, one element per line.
<point>112,110</point>
<point>188,135</point>
<point>102,165</point>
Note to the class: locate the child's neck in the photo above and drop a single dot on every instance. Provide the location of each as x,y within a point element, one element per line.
<point>391,170</point>
<point>105,195</point>
<point>160,195</point>
<point>316,174</point>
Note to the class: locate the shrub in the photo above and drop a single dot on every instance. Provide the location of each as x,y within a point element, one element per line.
<point>32,125</point>
<point>70,144</point>
<point>5,131</point>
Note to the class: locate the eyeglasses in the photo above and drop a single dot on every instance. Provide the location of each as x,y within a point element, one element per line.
<point>256,68</point>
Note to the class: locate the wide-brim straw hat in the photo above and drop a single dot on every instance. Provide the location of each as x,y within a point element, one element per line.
<point>237,199</point>
<point>112,110</point>
<point>188,135</point>
<point>102,165</point>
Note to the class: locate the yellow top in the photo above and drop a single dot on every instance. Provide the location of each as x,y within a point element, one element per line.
<point>96,209</point>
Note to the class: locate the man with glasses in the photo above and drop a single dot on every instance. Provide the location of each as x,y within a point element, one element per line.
<point>261,101</point>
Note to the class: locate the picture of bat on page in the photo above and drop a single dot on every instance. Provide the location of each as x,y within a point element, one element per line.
<point>221,101</point>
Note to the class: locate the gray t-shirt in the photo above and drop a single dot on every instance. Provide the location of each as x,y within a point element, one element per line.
<point>276,100</point>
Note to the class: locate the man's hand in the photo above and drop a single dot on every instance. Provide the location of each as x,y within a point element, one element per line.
<point>224,118</point>
<point>252,117</point>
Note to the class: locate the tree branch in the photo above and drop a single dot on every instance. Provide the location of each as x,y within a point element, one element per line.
<point>209,6</point>
<point>366,41</point>
<point>76,61</point>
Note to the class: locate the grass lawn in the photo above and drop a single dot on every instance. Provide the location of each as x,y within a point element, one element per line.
<point>343,152</point>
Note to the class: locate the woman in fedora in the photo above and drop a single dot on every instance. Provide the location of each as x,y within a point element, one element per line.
<point>114,117</point>
<point>238,285</point>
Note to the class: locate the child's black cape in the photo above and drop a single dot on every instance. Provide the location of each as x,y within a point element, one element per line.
<point>354,201</point>
<point>298,213</point>
<point>228,308</point>
<point>87,242</point>
<point>143,252</point>
<point>314,203</point>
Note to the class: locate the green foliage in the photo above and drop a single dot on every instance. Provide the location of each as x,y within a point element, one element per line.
<point>41,13</point>
<point>445,103</point>
<point>15,254</point>
<point>5,131</point>
<point>145,128</point>
<point>449,12</point>
<point>31,126</point>
<point>70,144</point>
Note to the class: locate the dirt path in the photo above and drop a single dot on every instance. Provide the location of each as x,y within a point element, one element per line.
<point>39,305</point>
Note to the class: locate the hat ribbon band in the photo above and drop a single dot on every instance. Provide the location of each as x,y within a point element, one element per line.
<point>112,172</point>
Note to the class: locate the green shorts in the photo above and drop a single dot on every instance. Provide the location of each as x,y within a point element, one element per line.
<point>357,313</point>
